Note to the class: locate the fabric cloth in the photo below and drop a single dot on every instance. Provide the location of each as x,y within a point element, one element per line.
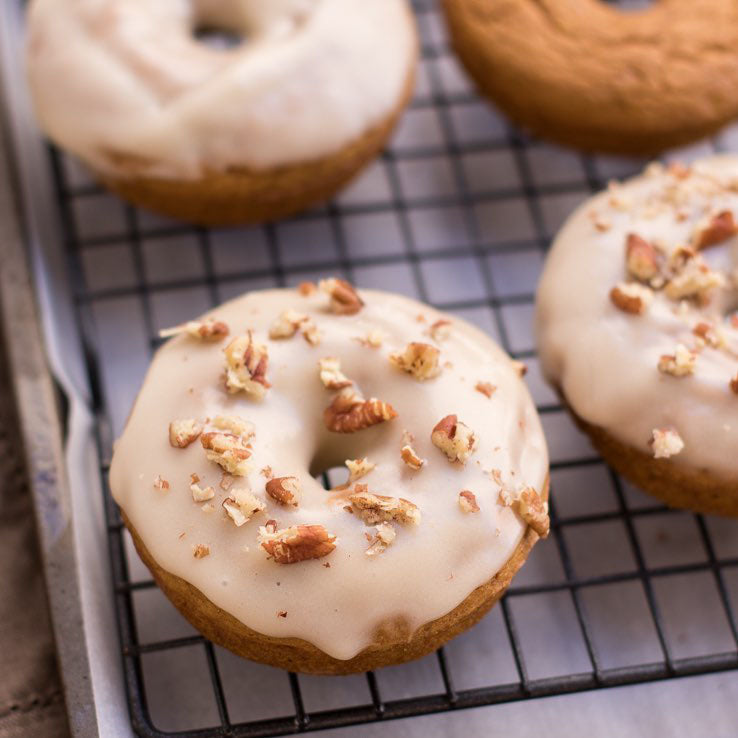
<point>31,699</point>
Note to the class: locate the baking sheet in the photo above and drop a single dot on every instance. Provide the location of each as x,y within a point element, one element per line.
<point>458,214</point>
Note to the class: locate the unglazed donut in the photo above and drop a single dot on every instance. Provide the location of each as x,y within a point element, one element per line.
<point>637,329</point>
<point>585,74</point>
<point>221,135</point>
<point>446,493</point>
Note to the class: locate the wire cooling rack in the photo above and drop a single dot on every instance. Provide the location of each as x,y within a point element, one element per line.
<point>458,212</point>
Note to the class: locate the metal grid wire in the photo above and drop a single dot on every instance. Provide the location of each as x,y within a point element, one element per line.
<point>461,193</point>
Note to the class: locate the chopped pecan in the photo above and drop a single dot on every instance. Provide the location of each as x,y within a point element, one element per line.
<point>714,229</point>
<point>533,510</point>
<point>679,364</point>
<point>707,333</point>
<point>246,365</point>
<point>382,540</point>
<point>183,432</point>
<point>373,339</point>
<point>520,367</point>
<point>440,330</point>
<point>201,551</point>
<point>242,505</point>
<point>642,258</point>
<point>455,439</point>
<point>344,298</point>
<point>285,490</point>
<point>161,484</point>
<point>734,384</point>
<point>485,388</point>
<point>468,501</point>
<point>202,330</point>
<point>695,280</point>
<point>418,359</point>
<point>358,468</point>
<point>665,442</point>
<point>199,494</point>
<point>678,170</point>
<point>349,412</point>
<point>373,509</point>
<point>287,324</point>
<point>631,298</point>
<point>411,458</point>
<point>228,450</point>
<point>234,424</point>
<point>298,543</point>
<point>331,375</point>
<point>307,288</point>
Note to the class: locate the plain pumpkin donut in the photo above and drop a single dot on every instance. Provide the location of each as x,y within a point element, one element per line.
<point>587,75</point>
<point>221,134</point>
<point>446,476</point>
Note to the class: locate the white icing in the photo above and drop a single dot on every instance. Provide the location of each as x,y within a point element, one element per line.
<point>429,568</point>
<point>605,360</point>
<point>127,77</point>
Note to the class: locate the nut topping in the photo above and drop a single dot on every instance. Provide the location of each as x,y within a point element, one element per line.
<point>201,551</point>
<point>734,385</point>
<point>183,432</point>
<point>358,468</point>
<point>373,509</point>
<point>714,230</point>
<point>289,322</point>
<point>350,412</point>
<point>695,280</point>
<point>708,334</point>
<point>468,501</point>
<point>418,359</point>
<point>631,298</point>
<point>307,288</point>
<point>198,493</point>
<point>228,450</point>
<point>455,439</point>
<point>242,505</point>
<point>641,258</point>
<point>679,364</point>
<point>520,367</point>
<point>665,442</point>
<point>160,484</point>
<point>440,330</point>
<point>234,424</point>
<point>331,375</point>
<point>246,365</point>
<point>411,458</point>
<point>384,538</point>
<point>344,298</point>
<point>298,543</point>
<point>485,388</point>
<point>202,330</point>
<point>533,510</point>
<point>285,490</point>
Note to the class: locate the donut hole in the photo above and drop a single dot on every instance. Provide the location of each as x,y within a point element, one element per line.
<point>216,37</point>
<point>332,477</point>
<point>218,25</point>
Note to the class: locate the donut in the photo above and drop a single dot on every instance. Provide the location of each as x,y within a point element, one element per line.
<point>221,135</point>
<point>638,330</point>
<point>443,492</point>
<point>592,76</point>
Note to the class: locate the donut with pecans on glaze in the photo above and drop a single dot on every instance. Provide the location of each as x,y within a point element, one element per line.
<point>638,330</point>
<point>446,464</point>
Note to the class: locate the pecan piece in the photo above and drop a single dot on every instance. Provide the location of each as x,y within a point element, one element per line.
<point>485,388</point>
<point>665,442</point>
<point>679,364</point>
<point>246,365</point>
<point>733,387</point>
<point>455,439</point>
<point>289,322</point>
<point>631,298</point>
<point>373,509</point>
<point>234,424</point>
<point>468,501</point>
<point>708,334</point>
<point>345,299</point>
<point>242,505</point>
<point>307,288</point>
<point>642,259</point>
<point>201,330</point>
<point>350,412</point>
<point>520,367</point>
<point>533,510</point>
<point>183,432</point>
<point>358,468</point>
<point>418,359</point>
<point>161,484</point>
<point>440,330</point>
<point>201,551</point>
<point>285,490</point>
<point>298,543</point>
<point>228,450</point>
<point>383,539</point>
<point>411,458</point>
<point>695,280</point>
<point>331,375</point>
<point>198,493</point>
<point>714,229</point>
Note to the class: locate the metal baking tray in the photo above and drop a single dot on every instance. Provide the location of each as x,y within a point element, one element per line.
<point>459,212</point>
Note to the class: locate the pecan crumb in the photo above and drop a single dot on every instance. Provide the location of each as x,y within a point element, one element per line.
<point>520,367</point>
<point>282,614</point>
<point>298,543</point>
<point>418,359</point>
<point>714,229</point>
<point>201,550</point>
<point>344,298</point>
<point>373,339</point>
<point>228,450</point>
<point>226,481</point>
<point>267,472</point>
<point>285,490</point>
<point>373,508</point>
<point>693,280</point>
<point>679,364</point>
<point>485,388</point>
<point>665,442</point>
<point>631,298</point>
<point>440,330</point>
<point>201,330</point>
<point>532,509</point>
<point>307,288</point>
<point>349,412</point>
<point>242,505</point>
<point>411,458</point>
<point>385,536</point>
<point>468,501</point>
<point>199,494</point>
<point>358,468</point>
<point>246,365</point>
<point>707,333</point>
<point>734,384</point>
<point>234,424</point>
<point>160,483</point>
<point>454,438</point>
<point>331,375</point>
<point>183,432</point>
<point>642,259</point>
<point>289,322</point>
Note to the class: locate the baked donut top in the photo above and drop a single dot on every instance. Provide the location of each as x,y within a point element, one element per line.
<point>125,85</point>
<point>446,464</point>
<point>636,313</point>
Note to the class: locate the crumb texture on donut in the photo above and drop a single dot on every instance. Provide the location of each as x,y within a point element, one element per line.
<point>638,329</point>
<point>217,474</point>
<point>588,75</point>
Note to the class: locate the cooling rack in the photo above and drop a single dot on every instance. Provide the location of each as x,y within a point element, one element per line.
<point>458,212</point>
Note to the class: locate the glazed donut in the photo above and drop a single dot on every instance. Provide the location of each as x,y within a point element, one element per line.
<point>446,463</point>
<point>221,135</point>
<point>588,75</point>
<point>637,329</point>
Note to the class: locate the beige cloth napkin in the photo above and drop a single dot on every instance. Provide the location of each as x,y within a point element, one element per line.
<point>31,700</point>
